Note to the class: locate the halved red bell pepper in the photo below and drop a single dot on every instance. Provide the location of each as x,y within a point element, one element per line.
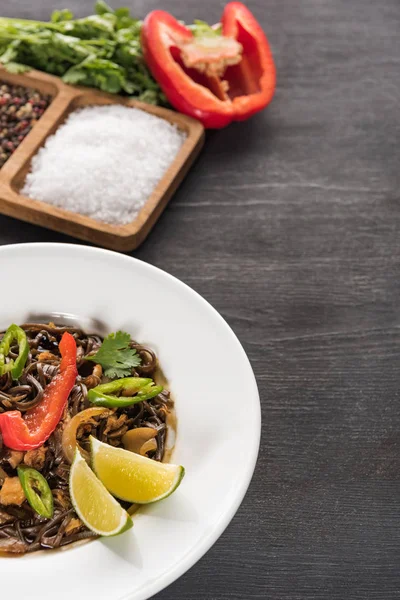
<point>215,78</point>
<point>39,423</point>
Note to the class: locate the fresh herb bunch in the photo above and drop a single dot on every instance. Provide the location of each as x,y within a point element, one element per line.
<point>102,50</point>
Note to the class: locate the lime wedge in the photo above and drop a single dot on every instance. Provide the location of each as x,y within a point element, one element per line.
<point>98,510</point>
<point>132,477</point>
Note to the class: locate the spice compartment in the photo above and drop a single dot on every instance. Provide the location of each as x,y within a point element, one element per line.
<point>66,99</point>
<point>11,120</point>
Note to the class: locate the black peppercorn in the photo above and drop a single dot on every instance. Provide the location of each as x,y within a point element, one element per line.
<point>20,108</point>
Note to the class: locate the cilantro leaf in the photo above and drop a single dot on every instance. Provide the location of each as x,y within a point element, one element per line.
<point>115,355</point>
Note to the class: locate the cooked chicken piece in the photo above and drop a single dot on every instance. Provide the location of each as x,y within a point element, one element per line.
<point>65,419</point>
<point>12,492</point>
<point>15,458</point>
<point>61,498</point>
<point>73,525</point>
<point>36,458</point>
<point>95,378</point>
<point>114,423</point>
<point>44,356</point>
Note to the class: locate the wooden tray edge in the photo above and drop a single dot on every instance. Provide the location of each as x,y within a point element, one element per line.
<point>122,238</point>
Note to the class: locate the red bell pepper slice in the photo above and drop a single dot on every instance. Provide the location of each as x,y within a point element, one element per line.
<point>39,423</point>
<point>215,85</point>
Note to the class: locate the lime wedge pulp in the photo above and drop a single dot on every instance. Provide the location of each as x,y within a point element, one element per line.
<point>132,477</point>
<point>96,508</point>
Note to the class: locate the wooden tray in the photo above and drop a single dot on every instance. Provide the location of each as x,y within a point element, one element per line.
<point>67,98</point>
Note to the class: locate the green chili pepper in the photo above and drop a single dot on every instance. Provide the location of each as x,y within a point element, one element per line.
<point>37,491</point>
<point>135,390</point>
<point>14,366</point>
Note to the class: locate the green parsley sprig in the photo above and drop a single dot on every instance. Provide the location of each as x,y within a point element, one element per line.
<point>102,50</point>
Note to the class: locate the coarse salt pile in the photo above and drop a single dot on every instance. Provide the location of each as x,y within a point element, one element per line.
<point>104,162</point>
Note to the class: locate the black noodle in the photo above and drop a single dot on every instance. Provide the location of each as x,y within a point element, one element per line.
<point>21,529</point>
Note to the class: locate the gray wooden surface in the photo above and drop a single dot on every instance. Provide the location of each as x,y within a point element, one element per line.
<point>289,225</point>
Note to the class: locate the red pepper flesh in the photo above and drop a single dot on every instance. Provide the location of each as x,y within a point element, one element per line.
<point>215,98</point>
<point>39,423</point>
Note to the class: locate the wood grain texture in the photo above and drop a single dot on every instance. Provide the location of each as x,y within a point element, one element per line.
<point>66,99</point>
<point>289,225</point>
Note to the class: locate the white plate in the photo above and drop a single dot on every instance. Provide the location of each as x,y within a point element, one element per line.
<point>217,406</point>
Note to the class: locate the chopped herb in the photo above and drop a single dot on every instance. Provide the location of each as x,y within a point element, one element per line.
<point>102,50</point>
<point>115,355</point>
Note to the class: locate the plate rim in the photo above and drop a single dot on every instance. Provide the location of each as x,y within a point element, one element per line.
<point>188,560</point>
